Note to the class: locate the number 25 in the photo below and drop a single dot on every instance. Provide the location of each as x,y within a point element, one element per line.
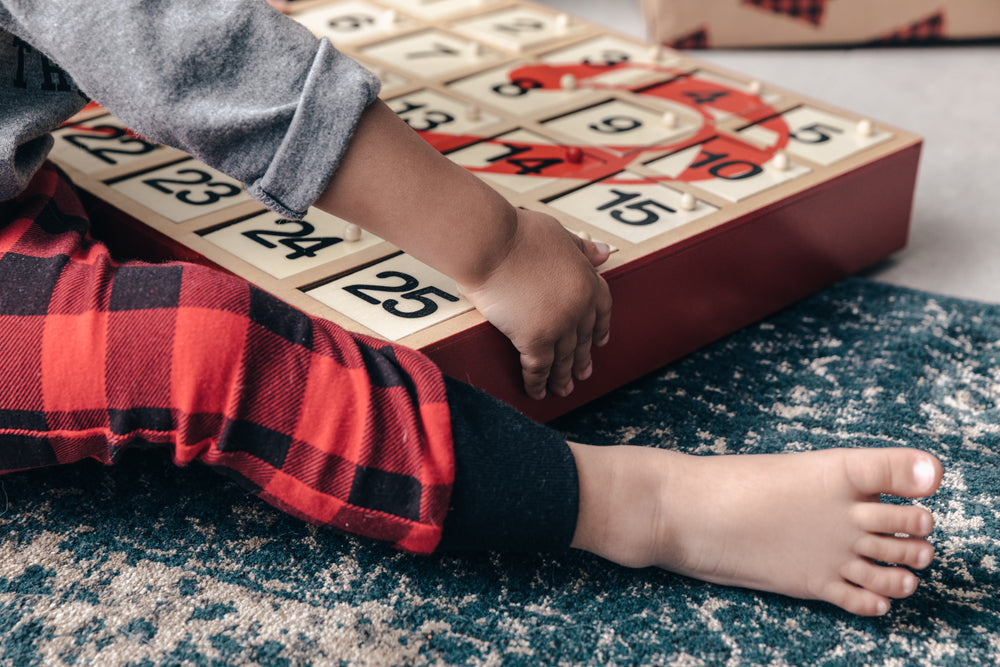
<point>411,290</point>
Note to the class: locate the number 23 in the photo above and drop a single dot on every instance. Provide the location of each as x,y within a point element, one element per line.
<point>190,196</point>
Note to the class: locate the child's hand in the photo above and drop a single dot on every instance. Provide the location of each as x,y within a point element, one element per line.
<point>547,298</point>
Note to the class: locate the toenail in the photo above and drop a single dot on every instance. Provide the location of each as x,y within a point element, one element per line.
<point>923,473</point>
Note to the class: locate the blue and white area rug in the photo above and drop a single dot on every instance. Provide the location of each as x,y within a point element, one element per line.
<point>147,564</point>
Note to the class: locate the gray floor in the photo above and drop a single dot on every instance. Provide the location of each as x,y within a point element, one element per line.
<point>949,95</point>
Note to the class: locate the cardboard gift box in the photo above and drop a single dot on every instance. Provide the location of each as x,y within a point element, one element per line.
<point>690,24</point>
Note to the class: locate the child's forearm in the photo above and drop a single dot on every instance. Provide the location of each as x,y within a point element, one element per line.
<point>395,185</point>
<point>533,279</point>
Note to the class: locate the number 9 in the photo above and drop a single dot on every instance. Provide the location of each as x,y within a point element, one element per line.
<point>615,124</point>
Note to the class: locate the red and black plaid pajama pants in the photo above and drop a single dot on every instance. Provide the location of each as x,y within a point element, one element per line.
<point>337,428</point>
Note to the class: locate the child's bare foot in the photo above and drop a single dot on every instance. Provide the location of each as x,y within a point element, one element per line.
<point>808,525</point>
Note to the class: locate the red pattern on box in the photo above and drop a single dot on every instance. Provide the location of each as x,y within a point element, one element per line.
<point>810,11</point>
<point>930,29</point>
<point>697,39</point>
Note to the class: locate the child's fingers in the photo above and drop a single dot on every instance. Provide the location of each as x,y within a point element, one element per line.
<point>582,365</point>
<point>602,321</point>
<point>556,335</point>
<point>561,373</point>
<point>596,252</point>
<point>536,366</point>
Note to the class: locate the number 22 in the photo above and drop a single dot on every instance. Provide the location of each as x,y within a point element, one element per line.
<point>126,144</point>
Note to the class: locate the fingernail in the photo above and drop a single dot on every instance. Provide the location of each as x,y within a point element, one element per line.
<point>923,473</point>
<point>566,389</point>
<point>586,372</point>
<point>925,559</point>
<point>883,608</point>
<point>602,248</point>
<point>909,585</point>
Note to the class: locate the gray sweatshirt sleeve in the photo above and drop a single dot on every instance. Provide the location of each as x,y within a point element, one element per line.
<point>233,82</point>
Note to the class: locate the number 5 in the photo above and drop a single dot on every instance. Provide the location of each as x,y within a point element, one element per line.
<point>817,133</point>
<point>429,307</point>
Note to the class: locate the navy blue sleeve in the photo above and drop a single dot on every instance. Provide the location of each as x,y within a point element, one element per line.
<point>516,486</point>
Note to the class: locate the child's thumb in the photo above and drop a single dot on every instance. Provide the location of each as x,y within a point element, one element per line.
<point>596,251</point>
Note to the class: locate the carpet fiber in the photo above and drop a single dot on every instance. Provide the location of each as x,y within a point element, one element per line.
<point>146,564</point>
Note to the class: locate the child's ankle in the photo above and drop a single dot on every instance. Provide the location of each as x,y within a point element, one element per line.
<point>620,498</point>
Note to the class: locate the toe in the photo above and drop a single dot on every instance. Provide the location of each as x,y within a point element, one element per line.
<point>909,473</point>
<point>893,582</point>
<point>910,551</point>
<point>856,600</point>
<point>892,519</point>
